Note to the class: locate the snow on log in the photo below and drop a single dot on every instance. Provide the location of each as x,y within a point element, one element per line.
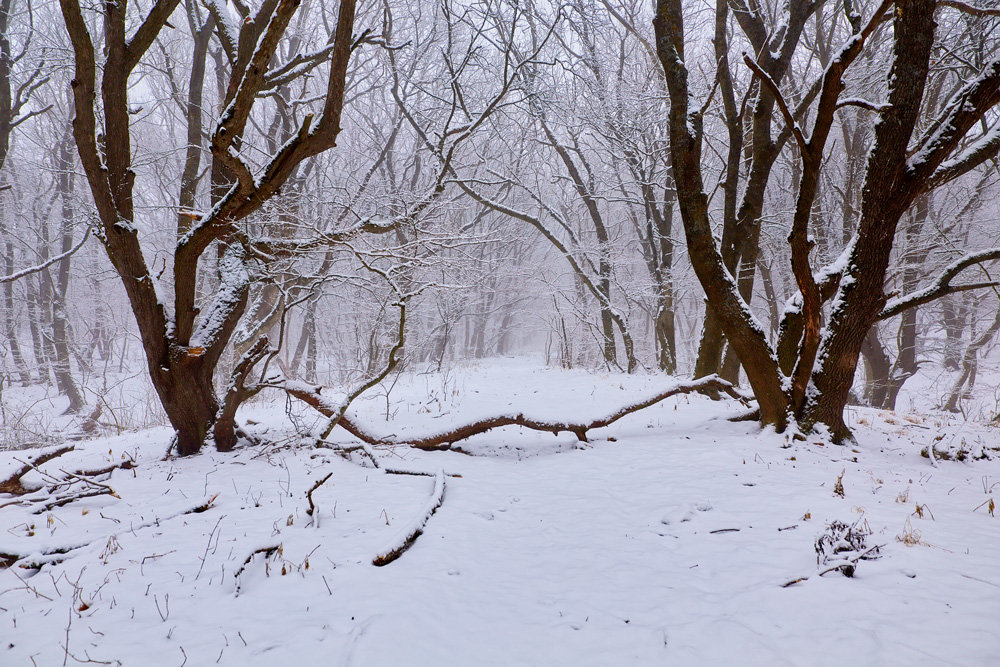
<point>443,440</point>
<point>408,535</point>
<point>12,483</point>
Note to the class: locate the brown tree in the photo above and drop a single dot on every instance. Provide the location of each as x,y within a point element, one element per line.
<point>183,344</point>
<point>808,375</point>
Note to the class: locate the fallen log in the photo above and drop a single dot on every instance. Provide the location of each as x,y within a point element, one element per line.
<point>311,395</point>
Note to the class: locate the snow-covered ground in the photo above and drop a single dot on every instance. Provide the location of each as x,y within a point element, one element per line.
<point>670,538</point>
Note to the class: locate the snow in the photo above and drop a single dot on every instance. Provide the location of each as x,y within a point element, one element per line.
<point>225,25</point>
<point>666,540</point>
<point>234,280</point>
<point>415,527</point>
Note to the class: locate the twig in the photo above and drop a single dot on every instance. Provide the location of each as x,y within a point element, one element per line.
<point>309,496</point>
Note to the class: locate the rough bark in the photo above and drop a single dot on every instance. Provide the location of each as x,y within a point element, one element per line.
<point>896,175</point>
<point>887,193</point>
<point>742,330</point>
<point>182,355</point>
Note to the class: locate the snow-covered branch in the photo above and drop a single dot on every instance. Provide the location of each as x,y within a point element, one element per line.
<point>942,286</point>
<point>44,265</point>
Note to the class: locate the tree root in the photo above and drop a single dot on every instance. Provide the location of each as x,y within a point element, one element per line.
<point>444,440</point>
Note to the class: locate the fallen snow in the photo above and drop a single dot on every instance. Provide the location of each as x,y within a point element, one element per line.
<point>666,540</point>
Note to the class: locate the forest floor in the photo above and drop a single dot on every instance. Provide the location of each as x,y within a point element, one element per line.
<point>673,537</point>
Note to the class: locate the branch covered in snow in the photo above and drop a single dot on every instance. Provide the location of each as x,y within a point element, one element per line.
<point>968,9</point>
<point>444,440</point>
<point>405,538</point>
<point>17,275</point>
<point>942,286</point>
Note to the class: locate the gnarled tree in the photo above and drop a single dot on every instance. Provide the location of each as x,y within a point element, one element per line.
<point>807,376</point>
<point>183,344</point>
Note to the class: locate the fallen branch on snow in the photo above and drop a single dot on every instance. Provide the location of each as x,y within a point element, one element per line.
<point>408,535</point>
<point>57,491</point>
<point>268,551</point>
<point>311,395</point>
<point>313,516</point>
<point>12,484</point>
<point>35,559</point>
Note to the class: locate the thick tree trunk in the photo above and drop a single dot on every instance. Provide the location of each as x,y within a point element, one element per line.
<point>188,397</point>
<point>887,193</point>
<point>743,331</point>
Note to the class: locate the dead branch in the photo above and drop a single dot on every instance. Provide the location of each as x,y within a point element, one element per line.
<point>12,484</point>
<point>418,473</point>
<point>72,476</point>
<point>942,285</point>
<point>46,264</point>
<point>203,507</point>
<point>406,537</point>
<point>124,465</point>
<point>267,551</point>
<point>59,501</point>
<point>61,553</point>
<point>345,450</point>
<point>309,493</point>
<point>969,9</point>
<point>312,396</point>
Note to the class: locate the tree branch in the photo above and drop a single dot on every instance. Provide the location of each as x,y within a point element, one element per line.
<point>942,286</point>
<point>41,267</point>
<point>147,32</point>
<point>311,396</point>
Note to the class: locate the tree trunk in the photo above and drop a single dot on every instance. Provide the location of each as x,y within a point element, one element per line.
<point>188,397</point>
<point>954,313</point>
<point>743,332</point>
<point>877,367</point>
<point>10,318</point>
<point>60,324</point>
<point>861,296</point>
<point>970,364</point>
<point>665,331</point>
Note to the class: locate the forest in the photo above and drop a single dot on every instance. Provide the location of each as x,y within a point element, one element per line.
<point>313,312</point>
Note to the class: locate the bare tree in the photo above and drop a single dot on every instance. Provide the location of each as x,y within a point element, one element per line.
<point>903,164</point>
<point>183,348</point>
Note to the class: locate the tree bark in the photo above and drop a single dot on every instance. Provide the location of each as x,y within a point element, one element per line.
<point>861,296</point>
<point>61,343</point>
<point>182,353</point>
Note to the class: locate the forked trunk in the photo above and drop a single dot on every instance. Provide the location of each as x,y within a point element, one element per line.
<point>188,397</point>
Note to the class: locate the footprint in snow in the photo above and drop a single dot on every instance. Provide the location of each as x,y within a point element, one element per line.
<point>683,513</point>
